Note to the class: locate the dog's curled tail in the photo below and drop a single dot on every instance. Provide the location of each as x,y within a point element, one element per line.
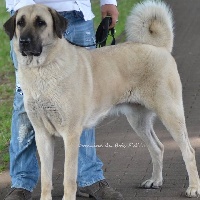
<point>150,22</point>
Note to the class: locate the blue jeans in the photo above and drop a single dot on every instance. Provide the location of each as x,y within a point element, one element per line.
<point>24,168</point>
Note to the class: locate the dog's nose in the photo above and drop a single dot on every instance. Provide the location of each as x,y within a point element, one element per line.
<point>25,41</point>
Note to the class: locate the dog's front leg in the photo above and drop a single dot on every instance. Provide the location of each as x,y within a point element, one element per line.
<point>71,142</point>
<point>45,146</point>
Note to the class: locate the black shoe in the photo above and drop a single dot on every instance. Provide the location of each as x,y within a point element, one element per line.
<point>18,194</point>
<point>100,190</point>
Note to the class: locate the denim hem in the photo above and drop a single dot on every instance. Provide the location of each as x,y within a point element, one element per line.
<point>20,186</point>
<point>91,182</point>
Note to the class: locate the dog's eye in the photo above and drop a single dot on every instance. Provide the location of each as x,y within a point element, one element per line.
<point>40,23</point>
<point>21,23</point>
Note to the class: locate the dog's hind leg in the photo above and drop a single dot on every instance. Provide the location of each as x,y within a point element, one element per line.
<point>71,142</point>
<point>45,145</point>
<point>171,114</point>
<point>141,120</point>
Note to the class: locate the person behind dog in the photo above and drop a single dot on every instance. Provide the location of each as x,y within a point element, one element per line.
<point>24,170</point>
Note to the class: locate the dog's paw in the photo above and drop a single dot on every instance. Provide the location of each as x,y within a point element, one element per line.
<point>193,192</point>
<point>151,183</point>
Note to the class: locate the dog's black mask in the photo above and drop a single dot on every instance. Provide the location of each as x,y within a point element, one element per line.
<point>30,45</point>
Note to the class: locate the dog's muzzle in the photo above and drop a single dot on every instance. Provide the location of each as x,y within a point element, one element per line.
<point>28,49</point>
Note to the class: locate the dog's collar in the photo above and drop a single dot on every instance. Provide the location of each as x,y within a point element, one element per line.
<point>102,34</point>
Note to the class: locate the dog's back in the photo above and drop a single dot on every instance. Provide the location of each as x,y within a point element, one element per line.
<point>151,23</point>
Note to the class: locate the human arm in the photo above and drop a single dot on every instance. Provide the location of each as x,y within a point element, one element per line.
<point>109,7</point>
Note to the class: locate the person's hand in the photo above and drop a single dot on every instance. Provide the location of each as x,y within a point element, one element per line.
<point>111,10</point>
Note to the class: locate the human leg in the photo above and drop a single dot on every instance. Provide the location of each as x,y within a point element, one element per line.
<point>90,179</point>
<point>24,170</point>
<point>81,32</point>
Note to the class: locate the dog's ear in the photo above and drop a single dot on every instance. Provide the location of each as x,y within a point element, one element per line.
<point>59,23</point>
<point>10,25</point>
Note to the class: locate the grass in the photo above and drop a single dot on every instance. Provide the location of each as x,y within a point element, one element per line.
<point>6,90</point>
<point>7,78</point>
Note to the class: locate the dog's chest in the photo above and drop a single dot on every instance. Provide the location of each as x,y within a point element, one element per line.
<point>45,112</point>
<point>42,97</point>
